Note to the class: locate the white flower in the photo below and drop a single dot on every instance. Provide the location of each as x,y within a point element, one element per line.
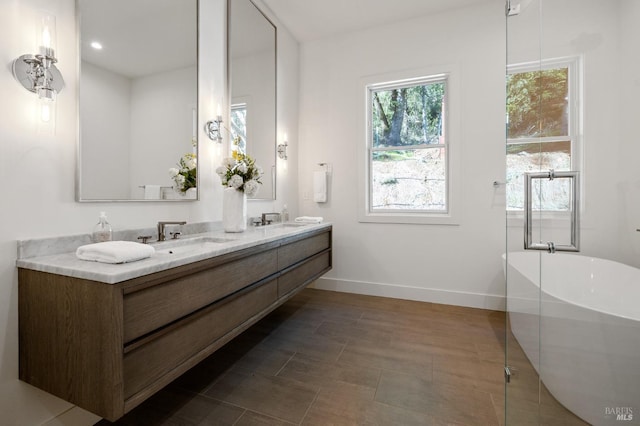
<point>179,180</point>
<point>221,171</point>
<point>173,172</point>
<point>242,168</point>
<point>229,162</point>
<point>190,161</point>
<point>251,188</point>
<point>235,181</point>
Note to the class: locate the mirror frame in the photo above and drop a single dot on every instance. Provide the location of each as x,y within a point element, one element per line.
<point>78,175</point>
<point>273,171</point>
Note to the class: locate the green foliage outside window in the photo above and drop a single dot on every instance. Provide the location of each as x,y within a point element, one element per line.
<point>538,107</point>
<point>408,116</point>
<point>408,148</point>
<point>537,103</point>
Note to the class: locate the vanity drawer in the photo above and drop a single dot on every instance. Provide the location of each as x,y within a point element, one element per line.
<point>299,250</point>
<point>153,307</point>
<point>149,362</point>
<point>304,273</point>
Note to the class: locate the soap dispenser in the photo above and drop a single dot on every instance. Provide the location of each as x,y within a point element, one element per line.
<point>284,216</point>
<point>102,231</point>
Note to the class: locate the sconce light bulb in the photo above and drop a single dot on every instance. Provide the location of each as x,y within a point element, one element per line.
<point>47,35</point>
<point>285,138</point>
<point>45,111</point>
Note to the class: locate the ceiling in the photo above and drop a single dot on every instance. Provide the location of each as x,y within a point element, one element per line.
<point>314,19</point>
<point>147,36</point>
<point>140,37</point>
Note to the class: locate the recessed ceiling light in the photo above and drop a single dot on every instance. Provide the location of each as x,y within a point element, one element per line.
<point>96,45</point>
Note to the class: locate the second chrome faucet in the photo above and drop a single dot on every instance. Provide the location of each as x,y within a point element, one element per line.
<point>161,226</point>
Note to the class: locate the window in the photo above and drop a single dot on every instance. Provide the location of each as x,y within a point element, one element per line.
<point>407,147</point>
<point>541,131</point>
<point>239,127</point>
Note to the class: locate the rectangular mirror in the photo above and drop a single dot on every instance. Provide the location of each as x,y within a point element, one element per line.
<point>138,97</point>
<point>252,85</point>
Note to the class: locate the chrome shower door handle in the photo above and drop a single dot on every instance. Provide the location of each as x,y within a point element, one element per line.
<point>551,247</point>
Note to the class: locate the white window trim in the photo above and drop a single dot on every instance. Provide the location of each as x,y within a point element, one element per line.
<point>452,123</point>
<point>575,136</point>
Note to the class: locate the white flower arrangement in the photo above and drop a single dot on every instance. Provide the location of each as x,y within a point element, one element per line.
<point>241,173</point>
<point>185,175</point>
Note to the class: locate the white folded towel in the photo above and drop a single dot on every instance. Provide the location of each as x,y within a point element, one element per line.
<point>308,219</point>
<point>115,252</point>
<point>320,187</point>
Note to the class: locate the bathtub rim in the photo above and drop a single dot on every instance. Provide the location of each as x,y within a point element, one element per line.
<point>633,317</point>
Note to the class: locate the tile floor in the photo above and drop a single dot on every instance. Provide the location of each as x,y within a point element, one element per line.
<point>327,358</point>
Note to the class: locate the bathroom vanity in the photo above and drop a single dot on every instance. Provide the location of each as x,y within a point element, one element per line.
<point>108,340</point>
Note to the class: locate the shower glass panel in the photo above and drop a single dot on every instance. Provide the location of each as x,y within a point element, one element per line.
<point>573,319</point>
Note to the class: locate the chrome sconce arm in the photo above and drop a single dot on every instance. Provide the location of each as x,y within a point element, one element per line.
<point>282,150</point>
<point>282,147</point>
<point>213,128</point>
<point>38,74</point>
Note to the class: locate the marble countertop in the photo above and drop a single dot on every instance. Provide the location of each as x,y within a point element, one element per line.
<point>169,254</point>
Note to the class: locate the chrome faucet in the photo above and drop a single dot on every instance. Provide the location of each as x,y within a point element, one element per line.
<point>161,225</point>
<point>264,218</point>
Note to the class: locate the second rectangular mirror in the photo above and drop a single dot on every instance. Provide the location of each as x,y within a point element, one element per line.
<point>252,85</point>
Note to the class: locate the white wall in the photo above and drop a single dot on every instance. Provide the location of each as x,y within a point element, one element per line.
<point>108,124</point>
<point>628,208</point>
<point>138,129</point>
<point>257,90</point>
<point>161,126</point>
<point>451,264</point>
<point>38,171</point>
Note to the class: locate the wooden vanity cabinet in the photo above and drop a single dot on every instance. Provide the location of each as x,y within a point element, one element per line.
<point>109,347</point>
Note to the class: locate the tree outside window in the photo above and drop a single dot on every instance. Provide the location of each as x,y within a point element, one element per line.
<point>239,127</point>
<point>408,146</point>
<point>540,132</point>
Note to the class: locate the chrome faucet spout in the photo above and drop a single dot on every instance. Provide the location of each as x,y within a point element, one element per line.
<point>264,217</point>
<point>161,225</point>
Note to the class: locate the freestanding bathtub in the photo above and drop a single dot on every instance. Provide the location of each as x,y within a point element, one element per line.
<point>577,319</point>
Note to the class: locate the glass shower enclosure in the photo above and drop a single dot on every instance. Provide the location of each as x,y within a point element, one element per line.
<point>573,212</point>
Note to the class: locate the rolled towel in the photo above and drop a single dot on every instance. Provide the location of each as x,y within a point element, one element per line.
<point>115,252</point>
<point>308,219</point>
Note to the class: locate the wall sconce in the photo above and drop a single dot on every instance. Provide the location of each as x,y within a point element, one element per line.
<point>282,148</point>
<point>214,127</point>
<point>37,73</point>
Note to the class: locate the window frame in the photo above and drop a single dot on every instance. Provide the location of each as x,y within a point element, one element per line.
<point>398,80</point>
<point>574,127</point>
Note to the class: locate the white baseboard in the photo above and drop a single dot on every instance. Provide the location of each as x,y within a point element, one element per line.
<point>457,298</point>
<point>75,416</point>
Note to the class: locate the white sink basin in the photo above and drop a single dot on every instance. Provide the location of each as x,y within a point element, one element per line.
<point>189,245</point>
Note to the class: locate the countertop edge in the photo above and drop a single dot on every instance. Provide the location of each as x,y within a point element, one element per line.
<point>68,264</point>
